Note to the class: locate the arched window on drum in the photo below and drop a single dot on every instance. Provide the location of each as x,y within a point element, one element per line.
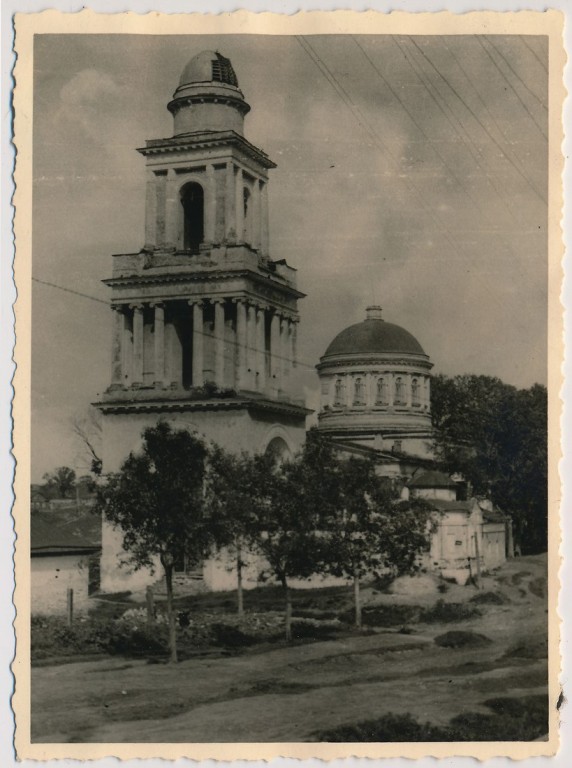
<point>359,391</point>
<point>415,392</point>
<point>339,393</point>
<point>382,392</point>
<point>400,391</point>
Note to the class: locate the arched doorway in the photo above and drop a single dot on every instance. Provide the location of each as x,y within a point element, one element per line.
<point>278,449</point>
<point>192,201</point>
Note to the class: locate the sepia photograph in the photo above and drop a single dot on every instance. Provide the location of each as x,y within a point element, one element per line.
<point>290,305</point>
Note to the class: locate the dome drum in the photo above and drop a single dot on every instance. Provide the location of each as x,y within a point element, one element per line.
<point>375,378</point>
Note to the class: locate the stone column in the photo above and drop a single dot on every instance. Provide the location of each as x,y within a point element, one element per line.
<point>127,346</point>
<point>198,343</point>
<point>159,348</point>
<point>264,218</point>
<point>285,351</point>
<point>117,347</point>
<point>407,382</point>
<point>428,393</point>
<point>251,345</point>
<point>256,228</point>
<point>151,212</point>
<point>172,214</point>
<point>261,348</point>
<point>137,344</point>
<point>275,351</point>
<point>219,341</point>
<point>229,200</point>
<point>210,205</point>
<point>294,342</point>
<point>390,388</point>
<point>241,344</point>
<point>239,205</point>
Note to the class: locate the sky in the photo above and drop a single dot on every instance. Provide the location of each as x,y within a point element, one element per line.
<point>412,173</point>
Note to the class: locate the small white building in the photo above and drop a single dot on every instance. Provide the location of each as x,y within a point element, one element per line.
<point>65,554</point>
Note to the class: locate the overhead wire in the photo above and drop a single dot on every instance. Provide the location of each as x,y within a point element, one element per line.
<point>478,120</point>
<point>422,130</point>
<point>377,140</point>
<point>515,73</point>
<point>511,86</point>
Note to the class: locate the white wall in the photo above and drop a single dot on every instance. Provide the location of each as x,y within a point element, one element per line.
<point>51,578</point>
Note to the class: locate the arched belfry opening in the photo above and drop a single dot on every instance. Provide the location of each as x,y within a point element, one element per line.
<point>193,203</point>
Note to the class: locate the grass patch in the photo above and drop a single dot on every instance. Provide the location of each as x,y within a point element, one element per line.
<point>538,587</point>
<point>459,639</point>
<point>514,719</point>
<point>488,598</point>
<point>528,648</point>
<point>384,615</point>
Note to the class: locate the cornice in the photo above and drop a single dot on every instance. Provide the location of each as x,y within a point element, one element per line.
<point>173,406</point>
<point>203,140</point>
<point>205,277</point>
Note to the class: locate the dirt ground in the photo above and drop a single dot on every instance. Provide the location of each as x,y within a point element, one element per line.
<point>290,694</point>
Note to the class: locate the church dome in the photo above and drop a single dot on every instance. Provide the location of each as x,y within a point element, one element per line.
<point>207,67</point>
<point>373,336</point>
<point>208,98</point>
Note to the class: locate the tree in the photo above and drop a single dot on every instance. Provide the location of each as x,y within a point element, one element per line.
<point>86,426</point>
<point>285,530</point>
<point>157,500</point>
<point>62,480</point>
<point>369,531</point>
<point>496,435</point>
<point>233,482</point>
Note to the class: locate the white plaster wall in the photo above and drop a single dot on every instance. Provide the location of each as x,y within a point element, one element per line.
<point>52,576</point>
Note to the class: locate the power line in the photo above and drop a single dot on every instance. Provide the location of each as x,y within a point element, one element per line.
<point>515,73</point>
<point>70,290</point>
<point>420,127</point>
<point>511,86</point>
<point>306,45</point>
<point>476,117</point>
<point>523,40</point>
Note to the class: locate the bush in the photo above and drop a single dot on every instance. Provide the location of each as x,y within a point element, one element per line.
<point>523,719</point>
<point>488,598</point>
<point>446,612</point>
<point>51,636</point>
<point>458,639</point>
<point>384,615</point>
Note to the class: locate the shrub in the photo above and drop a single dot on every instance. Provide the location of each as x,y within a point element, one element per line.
<point>384,615</point>
<point>446,612</point>
<point>458,639</point>
<point>488,598</point>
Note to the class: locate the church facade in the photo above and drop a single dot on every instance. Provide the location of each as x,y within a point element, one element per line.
<point>205,323</point>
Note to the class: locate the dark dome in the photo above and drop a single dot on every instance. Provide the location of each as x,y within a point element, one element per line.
<point>373,336</point>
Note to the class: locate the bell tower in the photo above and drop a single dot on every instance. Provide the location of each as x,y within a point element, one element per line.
<point>204,321</point>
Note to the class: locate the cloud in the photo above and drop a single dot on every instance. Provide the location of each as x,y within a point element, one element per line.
<point>88,87</point>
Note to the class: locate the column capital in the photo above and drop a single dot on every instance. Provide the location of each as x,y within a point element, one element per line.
<point>217,300</point>
<point>137,305</point>
<point>118,307</point>
<point>158,303</point>
<point>195,302</point>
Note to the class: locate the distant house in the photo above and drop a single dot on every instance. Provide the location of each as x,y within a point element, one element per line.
<point>471,534</point>
<point>65,553</point>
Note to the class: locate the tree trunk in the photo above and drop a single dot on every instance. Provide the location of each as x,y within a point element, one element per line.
<point>171,614</point>
<point>288,611</point>
<point>239,594</point>
<point>357,601</point>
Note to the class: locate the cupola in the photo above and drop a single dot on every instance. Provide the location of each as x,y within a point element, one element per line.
<point>208,98</point>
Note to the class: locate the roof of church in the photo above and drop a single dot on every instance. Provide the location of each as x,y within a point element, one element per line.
<point>206,67</point>
<point>373,335</point>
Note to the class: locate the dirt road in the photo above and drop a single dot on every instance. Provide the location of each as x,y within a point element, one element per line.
<point>290,694</point>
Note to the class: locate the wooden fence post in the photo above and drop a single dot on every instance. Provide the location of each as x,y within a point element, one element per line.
<point>69,606</point>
